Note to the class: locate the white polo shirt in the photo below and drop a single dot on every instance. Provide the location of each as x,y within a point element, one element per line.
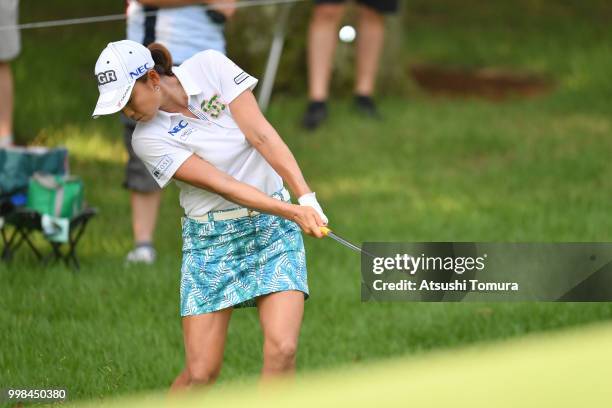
<point>211,81</point>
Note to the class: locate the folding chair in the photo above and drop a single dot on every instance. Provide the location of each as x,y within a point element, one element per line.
<point>25,222</point>
<point>18,223</point>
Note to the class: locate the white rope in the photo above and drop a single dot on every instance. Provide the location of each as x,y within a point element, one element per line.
<point>117,17</point>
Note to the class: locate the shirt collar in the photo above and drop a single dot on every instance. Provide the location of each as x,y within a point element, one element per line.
<point>188,84</point>
<point>190,87</point>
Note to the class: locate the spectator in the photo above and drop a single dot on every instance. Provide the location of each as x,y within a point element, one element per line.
<point>10,45</point>
<point>322,40</point>
<point>185,28</point>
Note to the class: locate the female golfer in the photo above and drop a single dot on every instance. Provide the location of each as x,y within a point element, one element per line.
<point>200,125</point>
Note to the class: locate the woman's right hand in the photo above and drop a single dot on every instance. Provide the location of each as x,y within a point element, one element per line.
<point>308,219</point>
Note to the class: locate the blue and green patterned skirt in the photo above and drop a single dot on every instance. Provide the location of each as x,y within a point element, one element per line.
<point>230,263</point>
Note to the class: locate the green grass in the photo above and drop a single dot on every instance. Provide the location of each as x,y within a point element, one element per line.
<point>552,369</point>
<point>435,169</point>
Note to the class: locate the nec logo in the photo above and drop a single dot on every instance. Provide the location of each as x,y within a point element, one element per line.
<point>106,77</point>
<point>137,73</point>
<point>181,125</point>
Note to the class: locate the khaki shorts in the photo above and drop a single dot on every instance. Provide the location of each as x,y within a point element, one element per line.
<point>10,41</point>
<point>382,6</point>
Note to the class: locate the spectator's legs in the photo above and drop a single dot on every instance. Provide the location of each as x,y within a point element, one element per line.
<point>322,40</point>
<point>370,39</point>
<point>145,207</point>
<point>145,198</point>
<point>6,104</point>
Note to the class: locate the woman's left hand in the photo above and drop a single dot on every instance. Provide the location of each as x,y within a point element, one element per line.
<point>310,199</point>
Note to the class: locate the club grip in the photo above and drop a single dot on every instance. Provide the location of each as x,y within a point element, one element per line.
<point>325,230</point>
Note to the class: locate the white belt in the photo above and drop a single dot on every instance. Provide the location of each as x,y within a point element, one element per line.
<point>223,215</point>
<point>229,214</point>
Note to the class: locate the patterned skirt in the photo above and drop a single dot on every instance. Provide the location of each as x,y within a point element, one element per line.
<point>229,263</point>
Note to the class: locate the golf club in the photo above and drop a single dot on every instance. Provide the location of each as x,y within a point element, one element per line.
<point>328,233</point>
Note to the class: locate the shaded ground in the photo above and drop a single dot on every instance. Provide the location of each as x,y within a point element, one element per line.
<point>491,83</point>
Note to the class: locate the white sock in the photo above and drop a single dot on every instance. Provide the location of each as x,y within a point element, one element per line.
<point>6,140</point>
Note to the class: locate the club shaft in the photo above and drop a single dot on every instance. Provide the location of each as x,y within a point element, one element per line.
<point>348,244</point>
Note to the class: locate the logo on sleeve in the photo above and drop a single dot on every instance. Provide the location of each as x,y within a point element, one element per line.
<point>180,126</point>
<point>214,107</point>
<point>240,78</point>
<point>161,166</point>
<point>106,77</point>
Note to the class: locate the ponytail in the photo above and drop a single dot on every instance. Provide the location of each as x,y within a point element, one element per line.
<point>162,58</point>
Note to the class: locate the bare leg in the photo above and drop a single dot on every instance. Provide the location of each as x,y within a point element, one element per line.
<point>280,315</point>
<point>145,207</point>
<point>322,41</point>
<point>204,337</point>
<point>6,104</point>
<point>370,41</point>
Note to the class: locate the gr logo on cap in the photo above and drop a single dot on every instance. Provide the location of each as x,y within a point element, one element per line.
<point>120,64</point>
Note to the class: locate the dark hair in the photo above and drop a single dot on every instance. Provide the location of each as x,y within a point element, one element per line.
<point>162,58</point>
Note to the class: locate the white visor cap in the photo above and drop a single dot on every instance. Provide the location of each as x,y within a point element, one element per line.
<point>118,67</point>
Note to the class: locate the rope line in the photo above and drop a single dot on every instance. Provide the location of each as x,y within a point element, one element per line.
<point>117,17</point>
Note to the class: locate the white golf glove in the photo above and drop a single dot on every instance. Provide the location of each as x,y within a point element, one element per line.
<point>310,199</point>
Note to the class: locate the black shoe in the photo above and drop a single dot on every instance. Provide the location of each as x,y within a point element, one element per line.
<point>366,106</point>
<point>315,114</point>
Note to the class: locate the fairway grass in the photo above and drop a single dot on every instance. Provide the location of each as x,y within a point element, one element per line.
<point>559,369</point>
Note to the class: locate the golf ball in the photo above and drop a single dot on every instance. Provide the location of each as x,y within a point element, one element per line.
<point>347,34</point>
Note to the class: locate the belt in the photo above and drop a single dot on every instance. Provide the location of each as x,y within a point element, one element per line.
<point>231,214</point>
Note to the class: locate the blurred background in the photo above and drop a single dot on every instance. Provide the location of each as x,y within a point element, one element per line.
<point>496,126</point>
